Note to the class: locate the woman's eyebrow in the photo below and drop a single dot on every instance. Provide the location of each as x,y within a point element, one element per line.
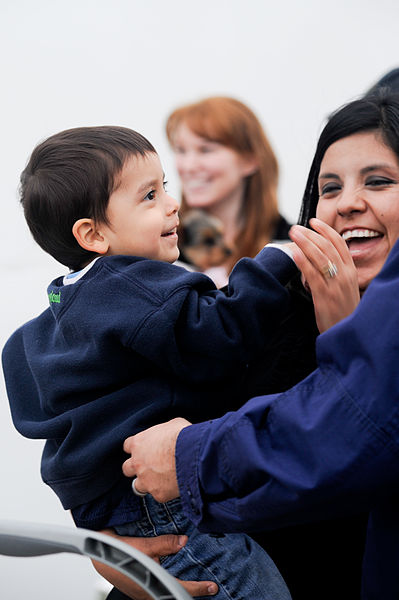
<point>376,168</point>
<point>328,176</point>
<point>363,171</point>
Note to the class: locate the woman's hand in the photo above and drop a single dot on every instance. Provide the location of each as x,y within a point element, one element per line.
<point>327,271</point>
<point>153,547</point>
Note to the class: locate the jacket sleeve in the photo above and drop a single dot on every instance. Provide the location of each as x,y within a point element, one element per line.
<point>327,446</point>
<point>200,333</point>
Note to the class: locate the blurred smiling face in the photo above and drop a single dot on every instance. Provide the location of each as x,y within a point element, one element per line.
<point>359,198</point>
<point>210,172</point>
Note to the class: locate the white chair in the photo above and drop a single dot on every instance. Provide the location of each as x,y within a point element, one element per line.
<point>31,539</point>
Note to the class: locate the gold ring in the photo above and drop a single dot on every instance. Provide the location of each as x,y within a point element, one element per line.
<point>329,270</point>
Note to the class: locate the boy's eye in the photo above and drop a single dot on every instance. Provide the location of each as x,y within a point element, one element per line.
<point>150,195</point>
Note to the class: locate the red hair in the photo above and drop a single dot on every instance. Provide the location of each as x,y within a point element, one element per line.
<point>232,124</point>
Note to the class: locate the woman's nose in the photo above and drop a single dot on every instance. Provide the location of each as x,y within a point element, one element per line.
<point>186,162</point>
<point>351,201</point>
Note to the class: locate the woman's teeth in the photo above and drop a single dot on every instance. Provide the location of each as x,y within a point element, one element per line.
<point>359,233</point>
<point>194,184</point>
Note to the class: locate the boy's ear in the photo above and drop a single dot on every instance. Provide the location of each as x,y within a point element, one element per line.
<point>89,236</point>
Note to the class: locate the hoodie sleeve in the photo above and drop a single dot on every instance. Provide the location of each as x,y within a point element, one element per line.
<point>324,447</point>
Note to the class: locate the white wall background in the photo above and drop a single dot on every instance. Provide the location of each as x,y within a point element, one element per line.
<point>130,62</point>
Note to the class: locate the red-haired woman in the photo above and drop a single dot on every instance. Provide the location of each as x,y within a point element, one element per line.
<point>228,169</point>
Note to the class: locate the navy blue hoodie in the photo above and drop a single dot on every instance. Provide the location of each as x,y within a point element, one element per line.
<point>132,343</point>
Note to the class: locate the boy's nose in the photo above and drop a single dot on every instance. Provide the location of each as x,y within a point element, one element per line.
<point>172,205</point>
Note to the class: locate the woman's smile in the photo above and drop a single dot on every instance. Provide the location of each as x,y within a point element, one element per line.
<point>361,240</point>
<point>359,198</point>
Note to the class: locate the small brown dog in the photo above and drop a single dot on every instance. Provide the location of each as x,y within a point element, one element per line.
<point>201,240</point>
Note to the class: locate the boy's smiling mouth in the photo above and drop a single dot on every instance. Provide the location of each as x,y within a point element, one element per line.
<point>170,232</point>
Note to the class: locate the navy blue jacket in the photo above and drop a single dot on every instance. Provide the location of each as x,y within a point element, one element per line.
<point>326,448</point>
<point>132,343</point>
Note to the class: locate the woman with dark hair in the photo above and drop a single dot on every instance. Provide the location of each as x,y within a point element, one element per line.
<point>333,549</point>
<point>328,448</point>
<point>375,112</point>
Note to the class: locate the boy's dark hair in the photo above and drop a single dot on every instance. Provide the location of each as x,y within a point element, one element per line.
<point>71,176</point>
<point>377,112</point>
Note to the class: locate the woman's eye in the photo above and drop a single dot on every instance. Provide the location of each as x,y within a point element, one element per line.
<point>329,188</point>
<point>150,195</point>
<point>165,186</point>
<point>379,182</point>
<point>206,148</point>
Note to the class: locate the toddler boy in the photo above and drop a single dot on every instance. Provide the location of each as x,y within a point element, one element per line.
<point>130,340</point>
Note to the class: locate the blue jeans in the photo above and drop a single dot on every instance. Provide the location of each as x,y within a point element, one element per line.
<point>239,566</point>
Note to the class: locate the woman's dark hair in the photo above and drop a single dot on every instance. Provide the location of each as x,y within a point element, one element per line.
<point>378,112</point>
<point>71,176</point>
<point>389,82</point>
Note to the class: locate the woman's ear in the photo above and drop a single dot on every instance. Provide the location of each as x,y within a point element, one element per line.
<point>89,236</point>
<point>249,165</point>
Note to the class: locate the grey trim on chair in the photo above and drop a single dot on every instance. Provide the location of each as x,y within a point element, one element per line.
<point>32,539</point>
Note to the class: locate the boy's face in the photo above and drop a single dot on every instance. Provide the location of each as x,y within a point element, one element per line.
<point>142,217</point>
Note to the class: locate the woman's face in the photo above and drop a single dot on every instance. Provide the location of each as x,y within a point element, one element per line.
<point>359,198</point>
<point>210,173</point>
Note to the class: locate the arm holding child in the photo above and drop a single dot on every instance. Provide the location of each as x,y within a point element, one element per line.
<point>153,451</point>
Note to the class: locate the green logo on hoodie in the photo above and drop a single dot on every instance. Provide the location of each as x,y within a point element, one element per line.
<point>54,297</point>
